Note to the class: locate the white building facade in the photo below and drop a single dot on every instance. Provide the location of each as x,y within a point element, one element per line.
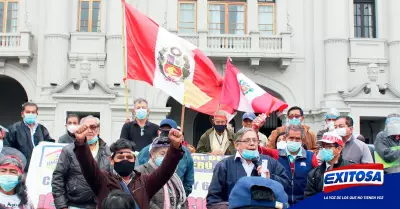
<point>66,56</point>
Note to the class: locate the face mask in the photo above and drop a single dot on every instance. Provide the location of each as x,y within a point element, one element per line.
<point>72,128</point>
<point>295,121</point>
<point>8,182</point>
<point>30,118</point>
<point>220,128</point>
<point>293,146</point>
<point>341,131</point>
<point>281,145</point>
<point>326,154</point>
<point>249,154</point>
<point>94,140</point>
<point>159,160</point>
<point>141,114</point>
<point>331,125</point>
<point>1,145</point>
<point>124,168</point>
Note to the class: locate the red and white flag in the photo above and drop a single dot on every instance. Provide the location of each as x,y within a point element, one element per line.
<point>241,93</point>
<point>170,63</point>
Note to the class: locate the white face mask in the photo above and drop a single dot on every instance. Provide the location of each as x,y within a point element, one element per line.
<point>72,128</point>
<point>281,145</point>
<point>1,145</point>
<point>341,131</point>
<point>331,125</point>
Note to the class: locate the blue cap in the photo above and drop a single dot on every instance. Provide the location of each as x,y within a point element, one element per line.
<point>249,115</point>
<point>241,193</point>
<point>169,122</point>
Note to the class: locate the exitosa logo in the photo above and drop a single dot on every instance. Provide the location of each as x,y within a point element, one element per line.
<point>352,176</point>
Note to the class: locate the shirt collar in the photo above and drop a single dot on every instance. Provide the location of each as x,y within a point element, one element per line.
<point>146,124</point>
<point>291,157</point>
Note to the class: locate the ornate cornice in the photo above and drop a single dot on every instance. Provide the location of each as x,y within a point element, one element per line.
<point>392,89</point>
<point>392,43</point>
<point>336,40</point>
<point>113,37</point>
<point>74,81</point>
<point>354,91</point>
<point>57,35</point>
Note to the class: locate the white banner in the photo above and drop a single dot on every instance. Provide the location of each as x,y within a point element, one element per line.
<point>45,157</point>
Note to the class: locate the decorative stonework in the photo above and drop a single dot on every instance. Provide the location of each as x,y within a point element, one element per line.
<point>290,28</point>
<point>373,72</point>
<point>354,62</point>
<point>85,68</point>
<point>392,43</point>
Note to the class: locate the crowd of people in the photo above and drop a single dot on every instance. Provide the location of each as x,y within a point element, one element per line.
<point>151,166</point>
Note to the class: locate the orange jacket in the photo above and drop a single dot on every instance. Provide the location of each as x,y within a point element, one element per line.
<point>310,139</point>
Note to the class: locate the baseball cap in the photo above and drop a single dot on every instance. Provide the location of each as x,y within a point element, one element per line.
<point>248,192</point>
<point>169,122</point>
<point>331,137</point>
<point>249,115</point>
<point>333,113</point>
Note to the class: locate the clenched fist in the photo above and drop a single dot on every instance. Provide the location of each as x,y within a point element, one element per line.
<point>81,133</point>
<point>176,138</point>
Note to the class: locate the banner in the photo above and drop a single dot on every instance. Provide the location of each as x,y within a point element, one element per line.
<point>44,161</point>
<point>203,170</point>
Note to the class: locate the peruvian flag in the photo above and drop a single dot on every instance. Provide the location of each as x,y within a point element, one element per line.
<point>170,63</point>
<point>241,93</point>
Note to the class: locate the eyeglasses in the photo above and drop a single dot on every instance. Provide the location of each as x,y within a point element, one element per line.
<point>93,127</point>
<point>293,139</point>
<point>247,141</point>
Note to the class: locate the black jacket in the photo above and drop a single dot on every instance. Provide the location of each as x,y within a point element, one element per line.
<point>315,179</point>
<point>69,186</point>
<point>132,132</point>
<point>19,137</point>
<point>66,138</point>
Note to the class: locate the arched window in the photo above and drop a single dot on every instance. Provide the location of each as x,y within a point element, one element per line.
<point>9,15</point>
<point>89,15</point>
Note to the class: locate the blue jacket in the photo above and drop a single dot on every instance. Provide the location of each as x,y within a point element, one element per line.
<point>185,168</point>
<point>229,170</point>
<point>302,166</point>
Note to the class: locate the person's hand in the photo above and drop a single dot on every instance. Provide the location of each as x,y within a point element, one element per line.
<point>258,122</point>
<point>127,120</point>
<point>176,138</point>
<point>81,133</point>
<point>267,174</point>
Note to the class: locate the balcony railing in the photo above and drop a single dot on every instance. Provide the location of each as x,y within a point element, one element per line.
<point>16,45</point>
<point>220,45</point>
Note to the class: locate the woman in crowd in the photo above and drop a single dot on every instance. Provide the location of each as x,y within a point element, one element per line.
<point>172,195</point>
<point>13,194</point>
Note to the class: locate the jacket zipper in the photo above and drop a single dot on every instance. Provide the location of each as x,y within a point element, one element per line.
<point>294,166</point>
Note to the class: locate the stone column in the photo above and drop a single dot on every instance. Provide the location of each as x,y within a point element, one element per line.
<point>202,24</point>
<point>114,71</point>
<point>56,41</point>
<point>172,15</point>
<point>394,44</point>
<point>281,16</point>
<point>252,16</point>
<point>336,50</point>
<point>308,11</point>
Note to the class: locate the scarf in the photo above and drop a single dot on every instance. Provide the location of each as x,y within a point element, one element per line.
<point>218,142</point>
<point>95,150</point>
<point>174,184</point>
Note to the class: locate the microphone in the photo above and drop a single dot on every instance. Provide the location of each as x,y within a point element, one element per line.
<point>256,164</point>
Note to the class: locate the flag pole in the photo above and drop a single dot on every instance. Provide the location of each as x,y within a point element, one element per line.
<point>124,58</point>
<point>183,117</point>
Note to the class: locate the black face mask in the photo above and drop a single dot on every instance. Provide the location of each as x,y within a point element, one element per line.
<point>124,168</point>
<point>220,128</point>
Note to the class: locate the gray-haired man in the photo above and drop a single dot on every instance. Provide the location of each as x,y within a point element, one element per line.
<point>69,187</point>
<point>140,130</point>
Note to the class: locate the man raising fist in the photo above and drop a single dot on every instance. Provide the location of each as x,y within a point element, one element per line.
<point>142,187</point>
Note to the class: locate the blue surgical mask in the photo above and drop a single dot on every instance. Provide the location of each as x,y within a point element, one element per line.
<point>326,154</point>
<point>293,146</point>
<point>8,182</point>
<point>30,118</point>
<point>141,113</point>
<point>249,154</point>
<point>159,160</point>
<point>295,121</point>
<point>94,140</point>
